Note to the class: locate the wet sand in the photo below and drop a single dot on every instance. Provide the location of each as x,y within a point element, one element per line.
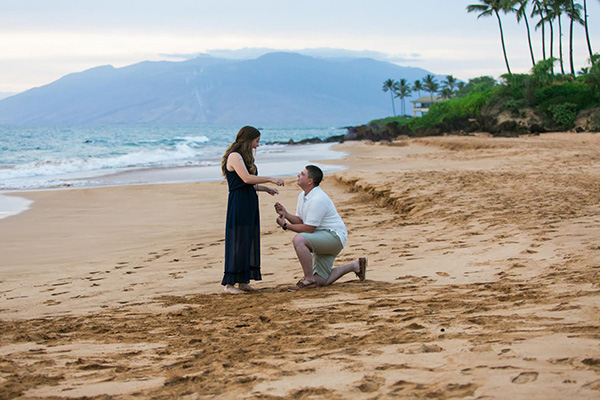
<point>483,282</point>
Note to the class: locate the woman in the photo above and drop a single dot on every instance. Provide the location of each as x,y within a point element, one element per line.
<point>242,229</point>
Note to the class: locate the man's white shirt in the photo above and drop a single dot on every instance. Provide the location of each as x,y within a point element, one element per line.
<point>317,209</point>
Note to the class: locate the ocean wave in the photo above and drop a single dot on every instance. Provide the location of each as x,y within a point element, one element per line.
<point>182,154</point>
<point>194,139</point>
<point>54,157</point>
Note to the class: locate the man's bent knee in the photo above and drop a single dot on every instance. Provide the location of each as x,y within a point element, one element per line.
<point>300,241</point>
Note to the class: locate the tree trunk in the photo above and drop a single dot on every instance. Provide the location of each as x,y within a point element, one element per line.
<point>502,39</point>
<point>543,30</point>
<point>560,49</point>
<point>551,44</point>
<point>571,38</point>
<point>587,33</point>
<point>529,40</point>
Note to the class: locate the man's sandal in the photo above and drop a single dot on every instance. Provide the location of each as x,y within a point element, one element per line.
<point>301,285</point>
<point>362,273</point>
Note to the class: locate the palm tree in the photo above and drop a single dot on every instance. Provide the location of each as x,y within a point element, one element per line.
<point>417,86</point>
<point>431,85</point>
<point>547,15</point>
<point>587,33</point>
<point>574,12</point>
<point>549,18</point>
<point>539,10</point>
<point>446,93</point>
<point>520,8</point>
<point>487,8</point>
<point>402,90</point>
<point>388,85</point>
<point>557,7</point>
<point>450,83</point>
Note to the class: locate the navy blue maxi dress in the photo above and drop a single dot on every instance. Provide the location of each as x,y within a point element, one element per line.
<point>242,232</point>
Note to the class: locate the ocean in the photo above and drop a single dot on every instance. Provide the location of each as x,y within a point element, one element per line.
<point>54,157</point>
<point>34,158</point>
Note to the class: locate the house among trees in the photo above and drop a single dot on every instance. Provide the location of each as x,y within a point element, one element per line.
<point>423,104</point>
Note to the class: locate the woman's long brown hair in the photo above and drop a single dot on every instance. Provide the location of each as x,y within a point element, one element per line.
<point>242,145</point>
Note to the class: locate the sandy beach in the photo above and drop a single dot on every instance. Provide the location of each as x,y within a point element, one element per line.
<point>483,282</point>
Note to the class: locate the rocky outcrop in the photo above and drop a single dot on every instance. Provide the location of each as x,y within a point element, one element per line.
<point>588,121</point>
<point>494,120</point>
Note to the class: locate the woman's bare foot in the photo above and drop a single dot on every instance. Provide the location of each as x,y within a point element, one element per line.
<point>232,290</point>
<point>245,287</point>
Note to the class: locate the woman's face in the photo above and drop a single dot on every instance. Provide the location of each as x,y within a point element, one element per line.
<point>255,142</point>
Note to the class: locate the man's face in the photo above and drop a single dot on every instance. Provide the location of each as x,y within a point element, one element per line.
<point>303,180</point>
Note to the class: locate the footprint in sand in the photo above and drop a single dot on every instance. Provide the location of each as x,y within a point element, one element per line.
<point>525,377</point>
<point>370,384</point>
<point>528,251</point>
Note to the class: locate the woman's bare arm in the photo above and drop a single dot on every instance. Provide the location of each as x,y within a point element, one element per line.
<point>235,162</point>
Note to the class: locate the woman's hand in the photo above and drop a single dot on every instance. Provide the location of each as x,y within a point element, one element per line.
<point>278,181</point>
<point>271,191</point>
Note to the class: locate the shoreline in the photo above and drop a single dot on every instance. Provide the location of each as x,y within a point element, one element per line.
<point>66,159</point>
<point>282,163</point>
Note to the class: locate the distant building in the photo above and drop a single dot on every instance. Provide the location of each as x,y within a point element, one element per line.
<point>423,104</point>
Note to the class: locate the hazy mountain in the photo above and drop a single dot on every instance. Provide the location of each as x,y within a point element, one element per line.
<point>4,95</point>
<point>276,89</point>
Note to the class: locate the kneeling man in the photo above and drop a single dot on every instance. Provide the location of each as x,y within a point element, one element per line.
<point>321,233</point>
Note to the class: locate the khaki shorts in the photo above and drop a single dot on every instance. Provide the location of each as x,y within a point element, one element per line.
<point>326,245</point>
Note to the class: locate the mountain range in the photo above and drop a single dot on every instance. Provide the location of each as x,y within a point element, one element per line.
<point>277,89</point>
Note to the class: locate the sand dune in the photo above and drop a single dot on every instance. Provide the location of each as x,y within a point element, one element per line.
<point>483,282</point>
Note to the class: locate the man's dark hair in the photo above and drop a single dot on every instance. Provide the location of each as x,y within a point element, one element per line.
<point>315,174</point>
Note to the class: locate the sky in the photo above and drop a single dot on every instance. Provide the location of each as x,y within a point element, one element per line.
<point>43,40</point>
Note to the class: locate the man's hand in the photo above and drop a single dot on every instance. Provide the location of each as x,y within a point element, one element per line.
<point>280,220</point>
<point>280,209</point>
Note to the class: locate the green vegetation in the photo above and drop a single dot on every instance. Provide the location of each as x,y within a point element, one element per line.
<point>528,103</point>
<point>462,107</point>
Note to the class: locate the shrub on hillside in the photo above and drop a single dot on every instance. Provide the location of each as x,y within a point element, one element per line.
<point>449,110</point>
<point>575,93</point>
<point>477,85</point>
<point>563,114</point>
